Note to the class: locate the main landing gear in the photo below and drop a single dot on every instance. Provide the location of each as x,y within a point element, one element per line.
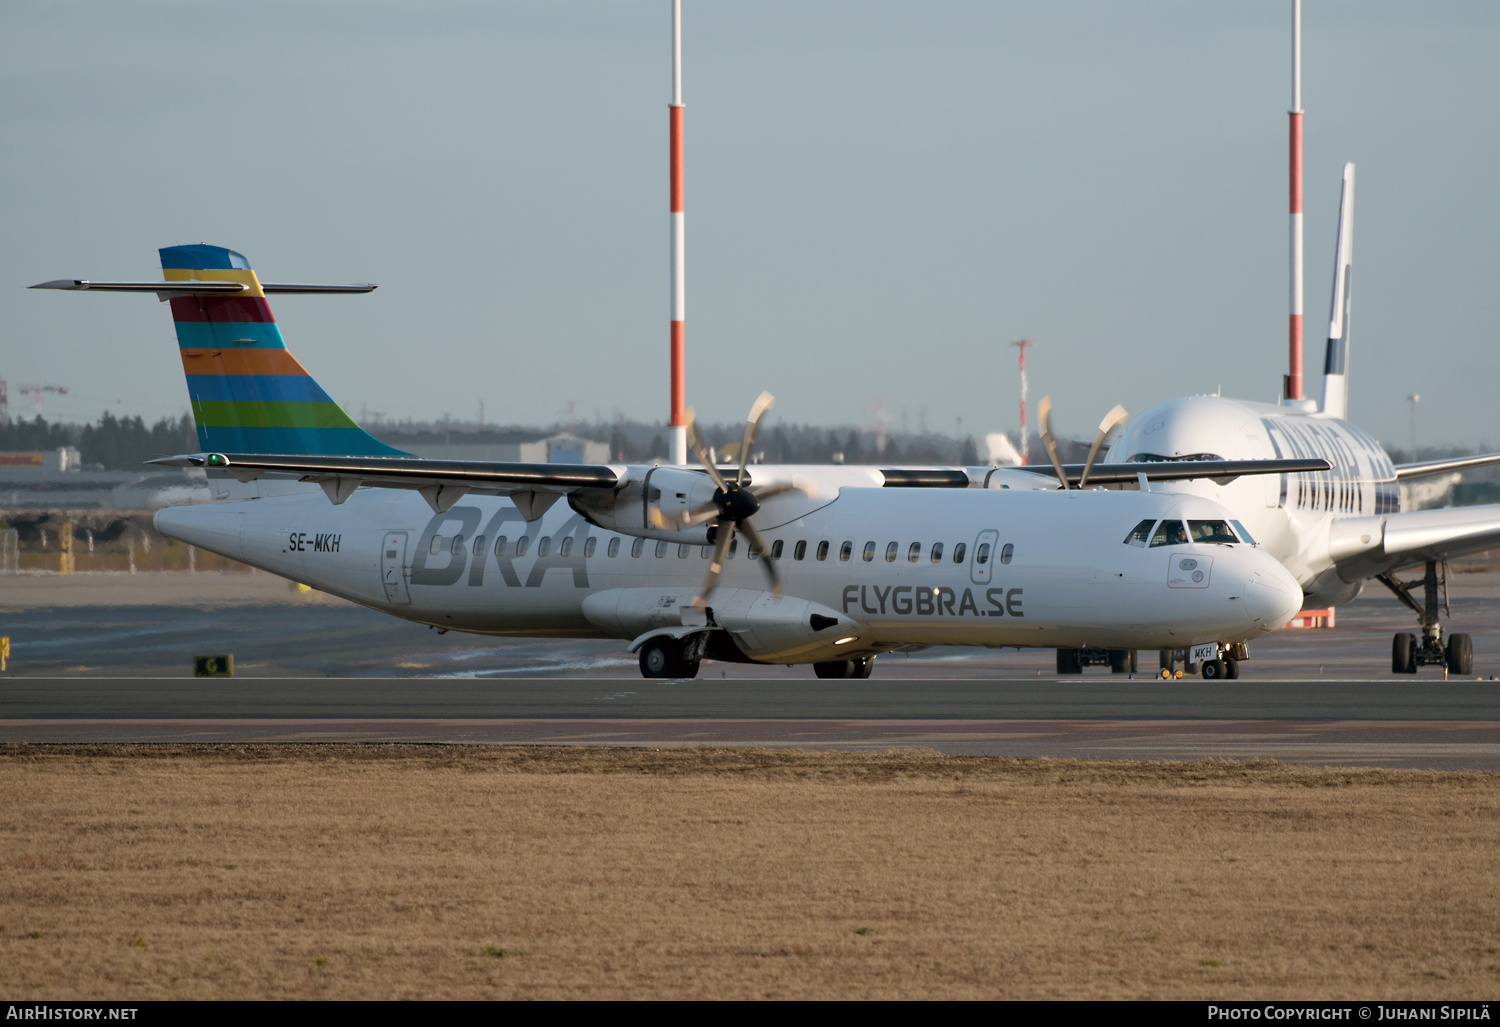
<point>1119,661</point>
<point>1408,652</point>
<point>858,668</point>
<point>668,657</point>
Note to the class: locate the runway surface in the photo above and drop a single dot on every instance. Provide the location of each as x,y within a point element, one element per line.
<point>1422,723</point>
<point>110,660</point>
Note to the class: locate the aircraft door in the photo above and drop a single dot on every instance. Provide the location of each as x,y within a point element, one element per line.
<point>393,567</point>
<point>982,559</point>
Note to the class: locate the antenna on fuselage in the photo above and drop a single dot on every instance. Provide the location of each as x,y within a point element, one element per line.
<point>1336,358</point>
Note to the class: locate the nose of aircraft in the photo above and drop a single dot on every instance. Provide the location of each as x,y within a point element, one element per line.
<point>1272,595</point>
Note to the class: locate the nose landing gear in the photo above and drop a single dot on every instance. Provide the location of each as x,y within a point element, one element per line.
<point>1408,652</point>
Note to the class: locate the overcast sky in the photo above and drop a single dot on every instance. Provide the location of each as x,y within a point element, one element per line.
<point>880,197</point>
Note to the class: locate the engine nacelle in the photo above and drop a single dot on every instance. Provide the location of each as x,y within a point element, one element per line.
<point>668,491</point>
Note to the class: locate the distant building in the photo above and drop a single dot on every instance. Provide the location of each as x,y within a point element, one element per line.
<point>500,446</point>
<point>56,479</point>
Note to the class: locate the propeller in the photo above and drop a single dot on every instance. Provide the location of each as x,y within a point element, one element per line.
<point>1111,420</point>
<point>734,502</point>
<point>1114,417</point>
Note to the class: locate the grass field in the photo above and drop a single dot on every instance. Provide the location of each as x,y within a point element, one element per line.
<point>346,871</point>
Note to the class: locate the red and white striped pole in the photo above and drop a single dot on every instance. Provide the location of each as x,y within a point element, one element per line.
<point>678,421</point>
<point>1294,376</point>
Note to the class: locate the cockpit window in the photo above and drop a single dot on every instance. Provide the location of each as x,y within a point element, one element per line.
<point>1157,458</point>
<point>1140,533</point>
<point>1171,533</point>
<point>1244,535</point>
<point>1211,531</point>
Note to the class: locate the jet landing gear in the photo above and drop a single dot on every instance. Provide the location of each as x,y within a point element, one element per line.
<point>1119,661</point>
<point>859,668</point>
<point>668,657</point>
<point>1408,652</point>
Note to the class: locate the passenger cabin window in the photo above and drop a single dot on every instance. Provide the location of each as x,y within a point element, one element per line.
<point>705,551</point>
<point>613,549</point>
<point>478,545</point>
<point>958,553</point>
<point>590,545</point>
<point>437,545</point>
<point>522,544</point>
<point>637,548</point>
<point>914,552</point>
<point>800,549</point>
<point>661,549</point>
<point>891,551</point>
<point>734,544</point>
<point>1141,533</point>
<point>500,546</point>
<point>457,549</point>
<point>1171,533</point>
<point>565,548</point>
<point>776,550</point>
<point>682,550</point>
<point>937,552</point>
<point>982,554</point>
<point>869,553</point>
<point>1007,551</point>
<point>544,545</point>
<point>1211,531</point>
<point>845,551</point>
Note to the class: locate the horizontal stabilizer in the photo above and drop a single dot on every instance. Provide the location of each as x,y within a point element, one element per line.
<point>1405,472</point>
<point>189,288</point>
<point>1221,471</point>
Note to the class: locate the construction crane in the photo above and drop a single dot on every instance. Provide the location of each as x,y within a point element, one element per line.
<point>35,391</point>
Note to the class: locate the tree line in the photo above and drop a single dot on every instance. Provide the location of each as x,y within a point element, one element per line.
<point>112,444</point>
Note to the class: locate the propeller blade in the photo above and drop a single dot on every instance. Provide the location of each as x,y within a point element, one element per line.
<point>1044,414</point>
<point>687,519</point>
<point>767,491</point>
<point>724,536</point>
<point>1114,417</point>
<point>757,411</point>
<point>699,448</point>
<point>754,538</point>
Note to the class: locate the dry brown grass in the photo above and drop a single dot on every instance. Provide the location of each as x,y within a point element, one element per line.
<point>443,871</point>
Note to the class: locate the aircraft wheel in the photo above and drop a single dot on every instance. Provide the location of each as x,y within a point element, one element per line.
<point>843,669</point>
<point>1214,670</point>
<point>1121,661</point>
<point>1069,661</point>
<point>1231,669</point>
<point>1168,660</point>
<point>1460,655</point>
<point>662,658</point>
<point>1403,653</point>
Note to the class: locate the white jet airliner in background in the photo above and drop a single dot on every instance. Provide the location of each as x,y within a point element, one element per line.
<point>840,563</point>
<point>1334,529</point>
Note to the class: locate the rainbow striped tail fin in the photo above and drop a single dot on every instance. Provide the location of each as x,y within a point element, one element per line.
<point>249,394</point>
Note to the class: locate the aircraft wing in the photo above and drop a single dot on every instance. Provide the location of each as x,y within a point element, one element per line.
<point>1221,471</point>
<point>1365,546</point>
<point>533,486</point>
<point>1405,472</point>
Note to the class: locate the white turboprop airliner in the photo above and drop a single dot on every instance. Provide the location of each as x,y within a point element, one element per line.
<point>1334,529</point>
<point>841,563</point>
